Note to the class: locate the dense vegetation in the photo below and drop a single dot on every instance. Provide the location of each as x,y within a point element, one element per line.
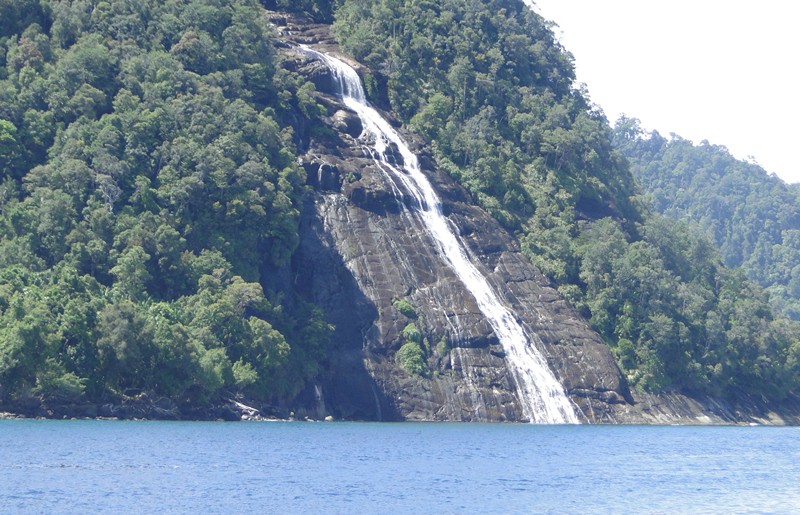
<point>487,84</point>
<point>753,217</point>
<point>148,185</point>
<point>149,189</point>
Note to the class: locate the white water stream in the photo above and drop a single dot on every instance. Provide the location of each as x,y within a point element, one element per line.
<point>542,397</point>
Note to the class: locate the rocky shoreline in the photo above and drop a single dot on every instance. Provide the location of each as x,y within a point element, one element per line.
<point>673,408</point>
<point>149,407</point>
<point>647,409</point>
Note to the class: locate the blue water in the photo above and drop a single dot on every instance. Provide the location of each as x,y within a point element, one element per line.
<point>183,467</point>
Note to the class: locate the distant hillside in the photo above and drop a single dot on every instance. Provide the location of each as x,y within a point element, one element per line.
<point>752,216</point>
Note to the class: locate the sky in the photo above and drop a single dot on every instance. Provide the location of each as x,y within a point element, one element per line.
<point>723,71</point>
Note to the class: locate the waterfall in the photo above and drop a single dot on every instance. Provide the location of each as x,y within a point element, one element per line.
<point>541,396</point>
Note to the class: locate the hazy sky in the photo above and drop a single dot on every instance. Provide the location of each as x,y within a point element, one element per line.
<point>725,71</point>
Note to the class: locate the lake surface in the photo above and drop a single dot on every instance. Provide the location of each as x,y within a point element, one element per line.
<point>208,467</point>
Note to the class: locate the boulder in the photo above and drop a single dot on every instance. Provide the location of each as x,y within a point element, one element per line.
<point>347,122</point>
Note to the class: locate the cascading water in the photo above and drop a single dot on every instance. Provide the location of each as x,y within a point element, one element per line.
<point>541,395</point>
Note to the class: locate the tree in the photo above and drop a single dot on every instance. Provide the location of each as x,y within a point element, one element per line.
<point>10,151</point>
<point>125,346</point>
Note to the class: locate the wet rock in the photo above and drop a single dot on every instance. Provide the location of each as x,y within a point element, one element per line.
<point>347,122</point>
<point>323,175</point>
<point>318,74</point>
<point>363,248</point>
<point>364,194</point>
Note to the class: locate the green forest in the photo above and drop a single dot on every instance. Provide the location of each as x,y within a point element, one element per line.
<point>753,217</point>
<point>149,181</point>
<point>150,188</point>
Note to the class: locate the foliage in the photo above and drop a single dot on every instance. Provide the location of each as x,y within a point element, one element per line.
<point>677,318</point>
<point>488,84</point>
<point>753,217</point>
<point>405,307</point>
<point>317,10</point>
<point>411,358</point>
<point>55,383</point>
<point>411,355</point>
<point>148,187</point>
<point>411,333</point>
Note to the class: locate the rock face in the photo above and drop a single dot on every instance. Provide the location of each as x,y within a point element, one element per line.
<point>371,264</point>
<point>361,255</point>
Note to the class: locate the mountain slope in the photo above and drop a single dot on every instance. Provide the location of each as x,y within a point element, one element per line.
<point>178,198</point>
<point>149,185</point>
<point>493,91</point>
<point>753,217</point>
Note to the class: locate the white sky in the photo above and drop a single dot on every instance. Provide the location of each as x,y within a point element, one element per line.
<point>727,71</point>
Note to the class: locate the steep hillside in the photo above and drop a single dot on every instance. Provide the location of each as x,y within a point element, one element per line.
<point>753,217</point>
<point>188,217</point>
<point>494,93</point>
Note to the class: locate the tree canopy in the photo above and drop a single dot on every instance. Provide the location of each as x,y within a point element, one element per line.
<point>752,216</point>
<point>149,181</point>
